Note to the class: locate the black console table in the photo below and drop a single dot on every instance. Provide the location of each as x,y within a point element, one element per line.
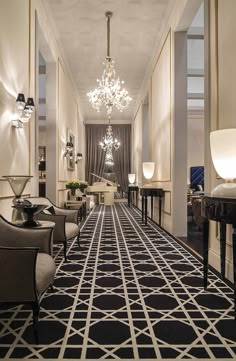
<point>222,210</point>
<point>132,188</point>
<point>151,192</point>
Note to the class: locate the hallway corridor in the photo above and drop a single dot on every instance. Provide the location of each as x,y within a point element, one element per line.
<point>129,292</point>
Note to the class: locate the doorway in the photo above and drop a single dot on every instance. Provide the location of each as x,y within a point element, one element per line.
<point>195,130</point>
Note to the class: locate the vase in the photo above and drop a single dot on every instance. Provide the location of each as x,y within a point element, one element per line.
<point>72,194</point>
<point>17,183</point>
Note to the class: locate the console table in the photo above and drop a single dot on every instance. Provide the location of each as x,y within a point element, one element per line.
<point>151,192</point>
<point>222,210</point>
<point>132,188</point>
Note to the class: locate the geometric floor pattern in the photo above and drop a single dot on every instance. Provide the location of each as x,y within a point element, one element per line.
<point>129,292</point>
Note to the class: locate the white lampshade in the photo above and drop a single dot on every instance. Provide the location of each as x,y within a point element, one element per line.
<point>148,169</point>
<point>131,178</point>
<point>223,153</point>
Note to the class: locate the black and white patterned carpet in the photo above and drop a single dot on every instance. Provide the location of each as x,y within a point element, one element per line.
<point>130,292</point>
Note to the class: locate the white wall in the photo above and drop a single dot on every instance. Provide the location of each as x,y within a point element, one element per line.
<point>18,74</point>
<point>222,105</point>
<point>168,118</point>
<point>14,79</point>
<point>137,146</point>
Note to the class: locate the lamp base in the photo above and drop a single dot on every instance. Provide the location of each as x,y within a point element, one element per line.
<point>227,190</point>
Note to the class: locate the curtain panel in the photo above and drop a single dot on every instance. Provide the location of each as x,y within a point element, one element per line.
<point>95,156</point>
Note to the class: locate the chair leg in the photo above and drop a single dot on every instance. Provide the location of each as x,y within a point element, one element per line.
<point>35,308</point>
<point>78,237</point>
<point>65,257</point>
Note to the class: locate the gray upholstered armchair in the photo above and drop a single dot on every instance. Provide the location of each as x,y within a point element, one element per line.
<point>66,221</point>
<point>27,268</point>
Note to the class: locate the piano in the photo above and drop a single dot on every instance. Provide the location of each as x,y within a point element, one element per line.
<point>105,187</point>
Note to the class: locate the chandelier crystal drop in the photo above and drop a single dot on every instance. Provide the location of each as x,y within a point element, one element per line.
<point>109,157</point>
<point>110,91</point>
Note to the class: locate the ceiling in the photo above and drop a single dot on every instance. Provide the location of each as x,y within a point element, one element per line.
<point>80,27</point>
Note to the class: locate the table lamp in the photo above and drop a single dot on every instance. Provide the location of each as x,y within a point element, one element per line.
<point>223,153</point>
<point>131,178</point>
<point>148,171</point>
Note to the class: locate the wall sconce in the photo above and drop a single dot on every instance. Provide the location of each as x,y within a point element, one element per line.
<point>69,150</point>
<point>131,178</point>
<point>223,153</point>
<point>79,156</point>
<point>148,170</point>
<point>25,110</point>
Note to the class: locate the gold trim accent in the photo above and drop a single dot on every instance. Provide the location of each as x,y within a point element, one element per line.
<point>186,245</point>
<point>217,69</point>
<point>29,84</point>
<point>170,88</point>
<point>150,145</point>
<point>58,119</point>
<point>217,61</point>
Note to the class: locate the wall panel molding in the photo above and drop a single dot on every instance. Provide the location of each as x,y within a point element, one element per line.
<point>161,116</point>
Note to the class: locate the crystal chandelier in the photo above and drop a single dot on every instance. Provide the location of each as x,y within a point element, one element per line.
<point>110,91</point>
<point>108,143</point>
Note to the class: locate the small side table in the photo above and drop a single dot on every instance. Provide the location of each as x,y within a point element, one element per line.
<point>151,192</point>
<point>222,210</point>
<point>80,205</point>
<point>131,189</point>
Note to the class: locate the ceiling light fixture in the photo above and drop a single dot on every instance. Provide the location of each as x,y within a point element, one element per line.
<point>108,143</point>
<point>110,91</point>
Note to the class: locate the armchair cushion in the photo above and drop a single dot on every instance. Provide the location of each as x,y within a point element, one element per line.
<point>45,271</point>
<point>72,230</point>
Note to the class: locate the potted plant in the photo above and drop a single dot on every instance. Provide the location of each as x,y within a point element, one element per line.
<point>76,184</point>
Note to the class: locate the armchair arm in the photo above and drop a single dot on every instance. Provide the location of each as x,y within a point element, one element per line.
<point>15,236</point>
<point>59,220</point>
<point>72,215</point>
<point>18,265</point>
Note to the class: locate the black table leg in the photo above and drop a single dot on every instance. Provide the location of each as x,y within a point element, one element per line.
<point>160,204</point>
<point>205,250</point>
<point>234,267</point>
<point>151,207</point>
<point>145,209</point>
<point>129,198</point>
<point>222,248</point>
<point>142,207</point>
<point>136,199</point>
